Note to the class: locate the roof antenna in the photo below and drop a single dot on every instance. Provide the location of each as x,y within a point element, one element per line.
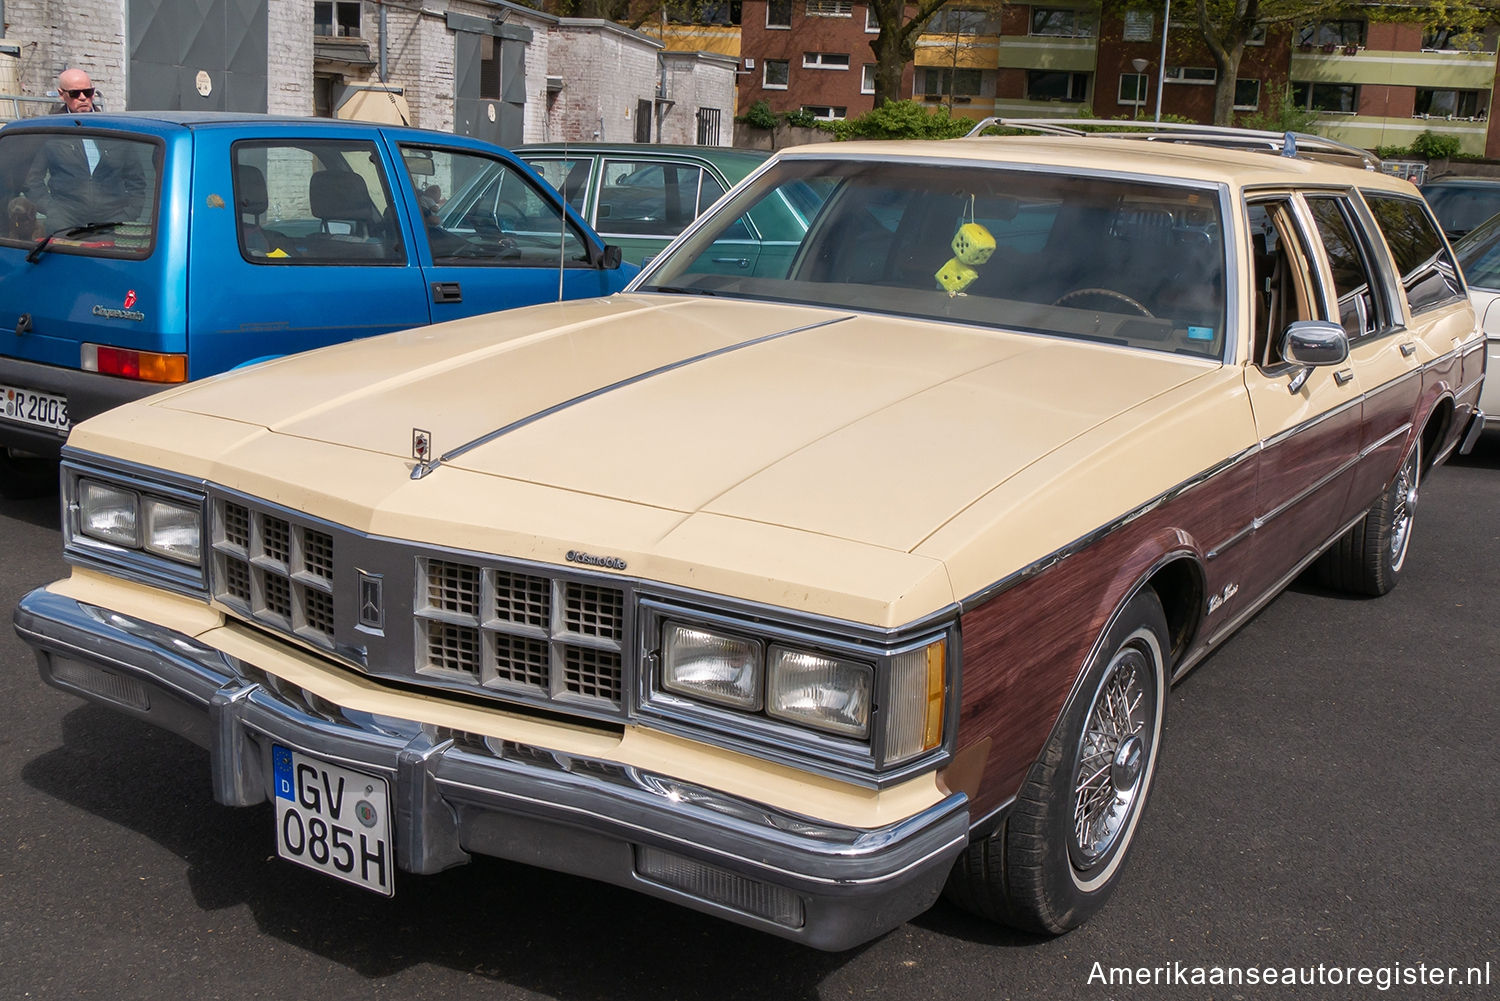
<point>562,236</point>
<point>1289,144</point>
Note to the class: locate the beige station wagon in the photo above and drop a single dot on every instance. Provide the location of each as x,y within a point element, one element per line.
<point>797,589</point>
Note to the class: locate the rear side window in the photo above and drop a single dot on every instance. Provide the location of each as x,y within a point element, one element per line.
<point>1424,263</point>
<point>92,193</point>
<point>649,197</point>
<point>314,202</point>
<point>1358,305</point>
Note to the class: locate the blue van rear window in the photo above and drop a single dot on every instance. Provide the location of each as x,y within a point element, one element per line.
<point>91,193</point>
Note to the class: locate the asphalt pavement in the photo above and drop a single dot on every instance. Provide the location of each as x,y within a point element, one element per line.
<point>1325,808</point>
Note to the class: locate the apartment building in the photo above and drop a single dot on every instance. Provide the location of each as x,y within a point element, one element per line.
<point>1372,83</point>
<point>809,55</point>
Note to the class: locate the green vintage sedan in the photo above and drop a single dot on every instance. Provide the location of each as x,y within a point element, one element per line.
<point>643,195</point>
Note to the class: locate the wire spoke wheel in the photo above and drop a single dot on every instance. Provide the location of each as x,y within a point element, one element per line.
<point>1111,756</point>
<point>1403,511</point>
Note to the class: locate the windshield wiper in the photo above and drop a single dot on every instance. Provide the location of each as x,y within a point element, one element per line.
<point>679,290</point>
<point>68,232</point>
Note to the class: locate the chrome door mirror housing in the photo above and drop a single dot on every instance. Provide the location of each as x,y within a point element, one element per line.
<point>1314,343</point>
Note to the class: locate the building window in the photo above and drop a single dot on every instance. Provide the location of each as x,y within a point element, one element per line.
<point>872,26</point>
<point>1062,22</point>
<point>941,81</point>
<point>340,18</point>
<point>1451,103</point>
<point>1056,85</point>
<point>703,11</point>
<point>867,79</point>
<point>489,67</point>
<point>824,113</point>
<point>779,13</point>
<point>1332,33</point>
<point>1191,74</point>
<point>963,21</point>
<point>1342,97</point>
<point>830,8</point>
<point>1457,40</point>
<point>775,74</point>
<point>1140,26</point>
<point>1132,88</point>
<point>1246,94</point>
<point>825,60</point>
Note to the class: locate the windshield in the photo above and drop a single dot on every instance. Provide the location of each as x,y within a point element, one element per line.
<point>1479,255</point>
<point>89,192</point>
<point>1461,207</point>
<point>1127,262</point>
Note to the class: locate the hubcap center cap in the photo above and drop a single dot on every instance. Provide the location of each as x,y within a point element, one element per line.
<point>1125,770</point>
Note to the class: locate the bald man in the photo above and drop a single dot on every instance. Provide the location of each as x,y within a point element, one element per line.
<point>82,178</point>
<point>76,92</point>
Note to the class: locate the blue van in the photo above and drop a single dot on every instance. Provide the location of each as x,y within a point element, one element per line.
<point>146,249</point>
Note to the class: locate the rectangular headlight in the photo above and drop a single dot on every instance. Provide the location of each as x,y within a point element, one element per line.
<point>172,530</point>
<point>109,513</point>
<point>826,693</point>
<point>710,665</point>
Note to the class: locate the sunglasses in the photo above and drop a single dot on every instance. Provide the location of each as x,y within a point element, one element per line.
<point>80,92</point>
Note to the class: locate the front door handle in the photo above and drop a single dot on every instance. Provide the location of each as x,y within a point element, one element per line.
<point>1344,376</point>
<point>739,262</point>
<point>447,292</point>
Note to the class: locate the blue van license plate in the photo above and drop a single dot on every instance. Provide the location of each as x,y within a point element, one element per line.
<point>41,410</point>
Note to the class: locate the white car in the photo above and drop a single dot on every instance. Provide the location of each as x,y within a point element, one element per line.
<point>1479,255</point>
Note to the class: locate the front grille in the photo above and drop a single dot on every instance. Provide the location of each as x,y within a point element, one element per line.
<point>503,630</point>
<point>274,571</point>
<point>555,638</point>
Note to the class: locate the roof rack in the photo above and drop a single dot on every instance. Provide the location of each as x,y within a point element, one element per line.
<point>1295,144</point>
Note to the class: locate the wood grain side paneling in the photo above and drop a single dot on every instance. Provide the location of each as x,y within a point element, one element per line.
<point>1024,648</point>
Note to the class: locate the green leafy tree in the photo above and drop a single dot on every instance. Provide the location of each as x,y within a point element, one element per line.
<point>1227,25</point>
<point>1281,113</point>
<point>895,47</point>
<point>903,120</point>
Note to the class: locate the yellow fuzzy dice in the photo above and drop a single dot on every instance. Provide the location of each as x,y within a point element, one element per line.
<point>973,244</point>
<point>955,276</point>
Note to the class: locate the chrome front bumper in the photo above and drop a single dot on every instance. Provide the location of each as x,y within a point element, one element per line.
<point>455,794</point>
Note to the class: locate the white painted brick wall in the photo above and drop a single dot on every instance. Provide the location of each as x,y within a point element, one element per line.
<point>606,68</point>
<point>289,58</point>
<point>57,34</point>
<point>605,71</point>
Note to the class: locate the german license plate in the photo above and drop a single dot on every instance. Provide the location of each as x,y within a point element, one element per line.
<point>333,819</point>
<point>26,406</point>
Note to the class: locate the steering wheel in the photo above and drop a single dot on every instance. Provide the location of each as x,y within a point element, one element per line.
<point>1102,293</point>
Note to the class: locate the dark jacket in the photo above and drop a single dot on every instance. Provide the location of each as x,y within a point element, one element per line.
<point>62,185</point>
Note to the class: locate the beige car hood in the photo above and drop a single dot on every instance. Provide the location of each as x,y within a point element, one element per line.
<point>871,429</point>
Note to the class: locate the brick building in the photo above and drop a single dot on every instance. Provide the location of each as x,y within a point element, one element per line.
<point>1372,83</point>
<point>809,55</point>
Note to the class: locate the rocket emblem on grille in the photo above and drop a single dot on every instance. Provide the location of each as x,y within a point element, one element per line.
<point>371,600</point>
<point>421,445</point>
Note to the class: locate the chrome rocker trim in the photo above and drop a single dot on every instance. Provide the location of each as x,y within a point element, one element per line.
<point>454,794</point>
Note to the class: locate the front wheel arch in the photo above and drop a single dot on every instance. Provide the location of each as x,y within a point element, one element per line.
<point>1057,855</point>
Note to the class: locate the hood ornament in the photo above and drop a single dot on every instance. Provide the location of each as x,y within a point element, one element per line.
<point>421,451</point>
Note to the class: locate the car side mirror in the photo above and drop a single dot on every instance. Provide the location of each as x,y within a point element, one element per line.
<point>1315,343</point>
<point>610,259</point>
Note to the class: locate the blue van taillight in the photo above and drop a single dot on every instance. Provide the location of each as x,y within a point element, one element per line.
<point>147,366</point>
